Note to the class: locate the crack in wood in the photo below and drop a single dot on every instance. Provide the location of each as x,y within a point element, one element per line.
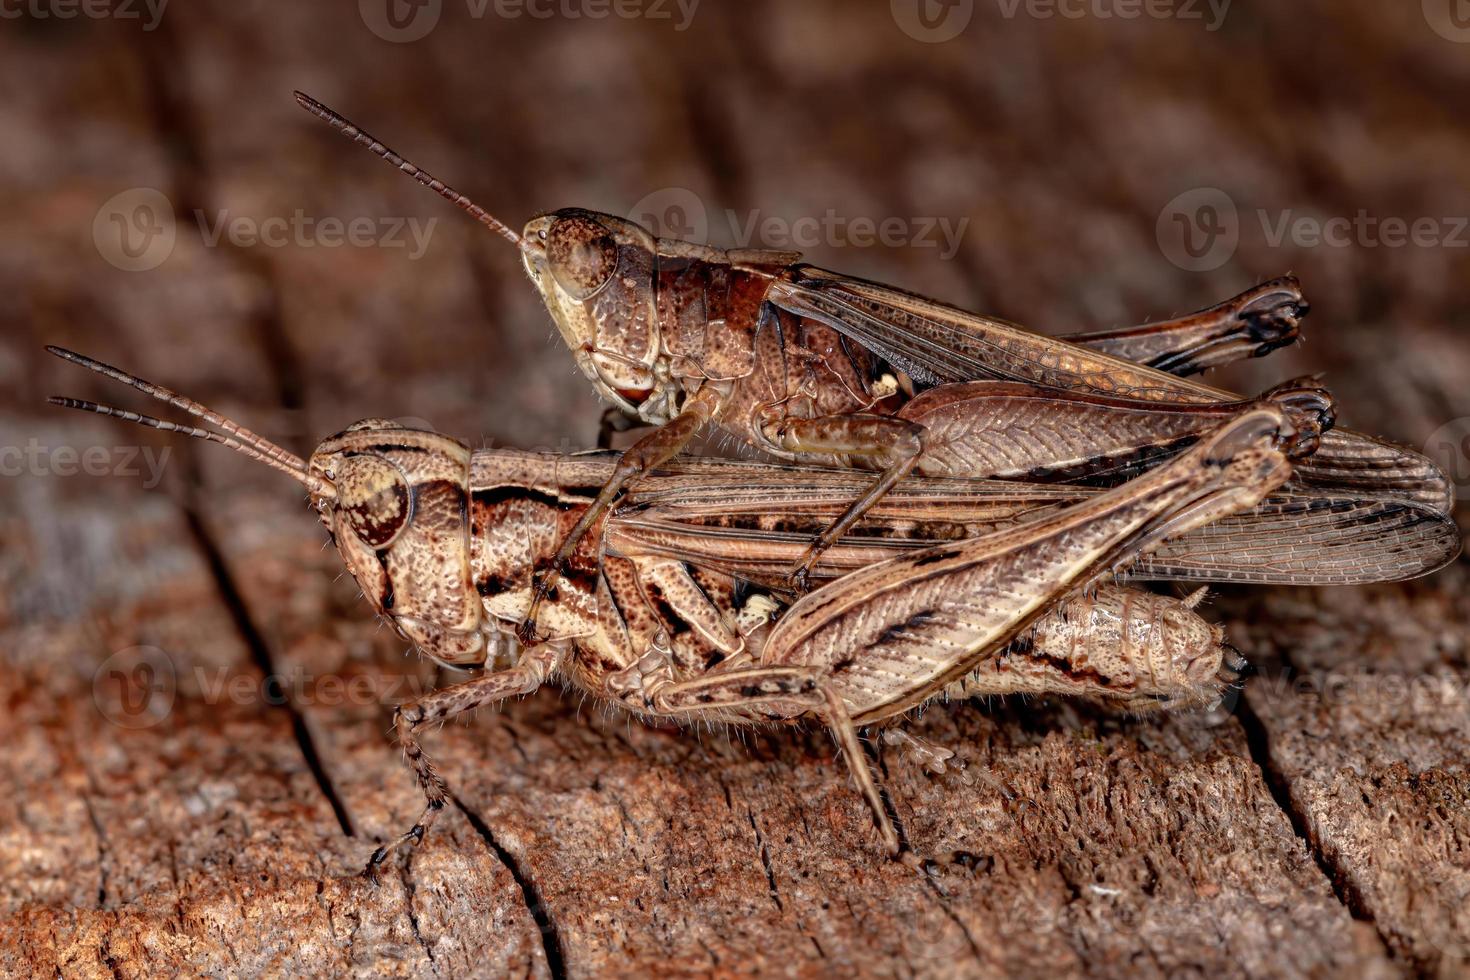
<point>409,891</point>
<point>530,894</point>
<point>261,654</point>
<point>1258,740</point>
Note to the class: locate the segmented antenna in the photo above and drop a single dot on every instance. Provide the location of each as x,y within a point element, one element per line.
<point>240,439</point>
<point>81,404</point>
<point>357,135</point>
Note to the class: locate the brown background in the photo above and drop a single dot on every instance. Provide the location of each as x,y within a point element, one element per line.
<point>1301,834</point>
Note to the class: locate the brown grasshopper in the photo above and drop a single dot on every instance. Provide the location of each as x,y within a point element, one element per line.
<point>444,542</point>
<point>809,364</point>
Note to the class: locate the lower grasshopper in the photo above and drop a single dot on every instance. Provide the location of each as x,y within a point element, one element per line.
<point>805,363</point>
<point>444,542</point>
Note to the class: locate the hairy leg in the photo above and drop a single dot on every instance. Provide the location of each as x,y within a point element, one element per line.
<point>525,677</point>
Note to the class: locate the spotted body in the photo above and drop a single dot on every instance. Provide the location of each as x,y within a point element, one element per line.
<point>445,543</point>
<point>455,596</point>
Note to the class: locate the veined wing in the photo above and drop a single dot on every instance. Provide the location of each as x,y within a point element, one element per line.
<point>936,343</point>
<point>754,520</point>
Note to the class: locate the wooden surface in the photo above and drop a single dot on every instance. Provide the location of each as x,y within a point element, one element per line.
<point>1317,826</point>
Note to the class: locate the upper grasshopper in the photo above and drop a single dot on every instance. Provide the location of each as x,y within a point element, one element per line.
<point>810,364</point>
<point>444,543</point>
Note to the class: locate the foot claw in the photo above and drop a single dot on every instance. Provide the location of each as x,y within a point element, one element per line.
<point>414,835</point>
<point>371,871</point>
<point>541,587</point>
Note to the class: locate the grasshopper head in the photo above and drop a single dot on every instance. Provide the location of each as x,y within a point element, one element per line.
<point>595,273</point>
<point>395,501</point>
<point>399,516</point>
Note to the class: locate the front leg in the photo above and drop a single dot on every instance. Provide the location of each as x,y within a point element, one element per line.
<point>525,677</point>
<point>648,453</point>
<point>897,442</point>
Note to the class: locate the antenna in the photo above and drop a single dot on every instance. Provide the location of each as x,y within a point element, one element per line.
<point>240,439</point>
<point>346,127</point>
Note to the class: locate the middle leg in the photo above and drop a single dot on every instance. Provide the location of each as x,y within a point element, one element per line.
<point>896,444</point>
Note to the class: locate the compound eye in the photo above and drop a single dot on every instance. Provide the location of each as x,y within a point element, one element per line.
<point>582,255</point>
<point>372,498</point>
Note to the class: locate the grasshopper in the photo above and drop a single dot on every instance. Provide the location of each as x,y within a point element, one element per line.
<point>804,363</point>
<point>444,543</point>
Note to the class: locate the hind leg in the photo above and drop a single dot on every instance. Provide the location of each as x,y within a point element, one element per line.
<point>778,694</point>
